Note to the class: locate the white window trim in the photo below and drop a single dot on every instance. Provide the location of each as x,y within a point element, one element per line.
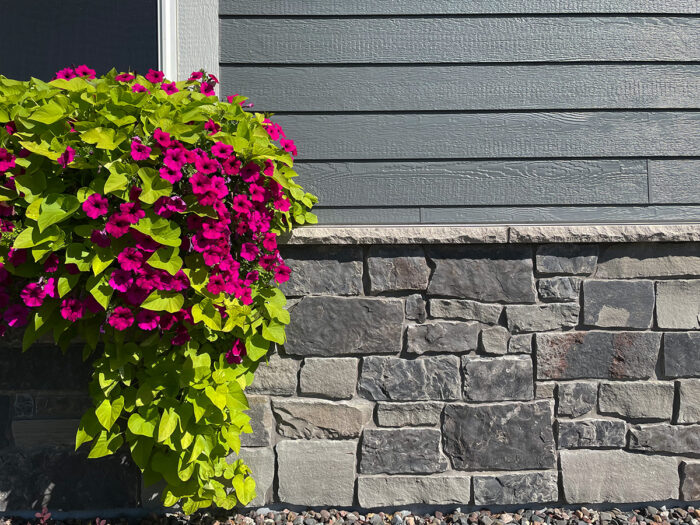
<point>167,38</point>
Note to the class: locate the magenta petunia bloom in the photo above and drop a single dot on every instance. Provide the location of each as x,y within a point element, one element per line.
<point>66,73</point>
<point>169,88</point>
<point>95,206</point>
<point>205,88</point>
<point>282,204</point>
<point>154,77</point>
<point>269,170</point>
<point>221,150</point>
<point>147,320</point>
<point>33,295</point>
<point>124,77</point>
<point>120,280</point>
<point>169,174</point>
<point>50,287</point>
<point>121,318</point>
<point>17,257</point>
<point>250,172</point>
<point>257,193</point>
<point>161,137</point>
<point>270,242</point>
<point>51,263</point>
<point>206,165</point>
<point>139,151</point>
<point>16,315</point>
<point>231,166</point>
<point>118,224</point>
<point>66,157</point>
<point>100,238</point>
<point>130,259</point>
<point>72,309</point>
<point>241,204</point>
<point>11,128</point>
<point>195,75</point>
<point>91,305</point>
<point>216,284</point>
<point>288,146</point>
<point>175,158</point>
<point>84,71</point>
<point>7,160</point>
<point>138,88</point>
<point>182,336</point>
<point>249,251</point>
<point>282,273</point>
<point>236,353</point>
<point>212,127</point>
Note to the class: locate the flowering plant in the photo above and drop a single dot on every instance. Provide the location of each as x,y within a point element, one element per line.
<point>141,216</point>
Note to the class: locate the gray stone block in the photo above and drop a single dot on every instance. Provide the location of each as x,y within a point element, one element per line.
<point>508,436</point>
<point>512,489</point>
<point>69,406</point>
<point>614,476</point>
<point>606,355</point>
<point>520,344</point>
<point>576,399</point>
<point>262,463</point>
<point>498,378</point>
<point>416,414</point>
<point>332,377</point>
<point>682,354</point>
<point>401,451</point>
<point>260,421</point>
<point>328,270</point>
<point>655,259</point>
<point>318,472</point>
<point>559,289</point>
<point>320,419</point>
<point>678,304</point>
<point>5,418</point>
<point>31,433</point>
<point>397,268</point>
<point>494,340</point>
<point>662,437</point>
<point>541,317</point>
<point>23,406</point>
<point>434,378</point>
<point>336,326</point>
<point>45,367</point>
<point>545,390</point>
<point>689,401</point>
<point>637,400</point>
<point>465,310</point>
<point>566,259</point>
<point>483,273</point>
<point>591,433</point>
<point>618,303</point>
<point>690,480</point>
<point>416,308</point>
<point>451,337</point>
<point>277,377</point>
<point>443,489</point>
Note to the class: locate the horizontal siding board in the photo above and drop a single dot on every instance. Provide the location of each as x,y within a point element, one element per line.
<point>456,88</point>
<point>480,183</point>
<point>554,214</point>
<point>494,135</point>
<point>333,216</point>
<point>438,40</point>
<point>452,7</point>
<point>675,181</point>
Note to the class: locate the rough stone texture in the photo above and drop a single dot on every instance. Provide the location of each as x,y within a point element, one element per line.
<point>637,400</point>
<point>5,412</point>
<point>319,419</point>
<point>591,433</point>
<point>318,472</point>
<point>541,317</point>
<point>511,489</point>
<point>662,437</point>
<point>393,268</point>
<point>649,260</point>
<point>607,355</point>
<point>483,273</point>
<point>61,479</point>
<point>334,326</point>
<point>494,340</point>
<point>401,451</point>
<point>262,462</point>
<point>689,401</point>
<point>498,378</point>
<point>277,378</point>
<point>561,289</point>
<point>71,406</point>
<point>678,304</point>
<point>623,233</point>
<point>332,377</point>
<point>520,344</point>
<point>381,491</point>
<point>421,413</point>
<point>260,421</point>
<point>682,354</point>
<point>569,259</point>
<point>597,476</point>
<point>510,436</point>
<point>30,433</point>
<point>442,337</point>
<point>416,308</point>
<point>576,399</point>
<point>545,390</point>
<point>618,303</point>
<point>426,378</point>
<point>690,480</point>
<point>465,310</point>
<point>335,270</point>
<point>45,365</point>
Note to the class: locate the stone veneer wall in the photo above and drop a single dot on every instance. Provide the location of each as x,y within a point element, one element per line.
<point>438,374</point>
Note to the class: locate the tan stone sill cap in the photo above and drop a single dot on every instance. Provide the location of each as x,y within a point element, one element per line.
<point>529,233</point>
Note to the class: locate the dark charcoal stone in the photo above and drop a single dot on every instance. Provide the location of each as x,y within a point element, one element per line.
<point>608,355</point>
<point>335,270</point>
<point>541,317</point>
<point>44,367</point>
<point>426,378</point>
<point>494,340</point>
<point>334,326</point>
<point>618,303</point>
<point>61,406</point>
<point>397,268</point>
<point>23,406</point>
<point>65,480</point>
<point>509,436</point>
<point>5,423</point>
<point>465,310</point>
<point>260,421</point>
<point>511,489</point>
<point>559,289</point>
<point>569,259</point>
<point>672,439</point>
<point>401,451</point>
<point>442,336</point>
<point>520,344</point>
<point>498,378</point>
<point>591,433</point>
<point>483,273</point>
<point>576,399</point>
<point>415,308</point>
<point>690,480</point>
<point>682,354</point>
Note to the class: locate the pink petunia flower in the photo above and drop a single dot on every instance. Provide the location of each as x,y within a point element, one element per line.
<point>175,158</point>
<point>50,287</point>
<point>236,353</point>
<point>221,150</point>
<point>17,257</point>
<point>96,206</point>
<point>91,305</point>
<point>241,204</point>
<point>124,77</point>
<point>216,284</point>
<point>121,318</point>
<point>288,146</point>
<point>169,88</point>
<point>250,172</point>
<point>7,160</point>
<point>249,251</point>
<point>130,259</point>
<point>195,75</point>
<point>231,166</point>
<point>118,224</point>
<point>66,73</point>
<point>161,137</point>
<point>206,165</point>
<point>269,170</point>
<point>51,263</point>
<point>154,77</point>
<point>72,309</point>
<point>257,193</point>
<point>66,157</point>
<point>139,151</point>
<point>270,242</point>
<point>182,336</point>
<point>84,71</point>
<point>11,128</point>
<point>147,320</point>
<point>207,89</point>
<point>138,88</point>
<point>100,238</point>
<point>120,280</point>
<point>33,295</point>
<point>169,174</point>
<point>282,204</point>
<point>212,127</point>
<point>282,273</point>
<point>16,315</point>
